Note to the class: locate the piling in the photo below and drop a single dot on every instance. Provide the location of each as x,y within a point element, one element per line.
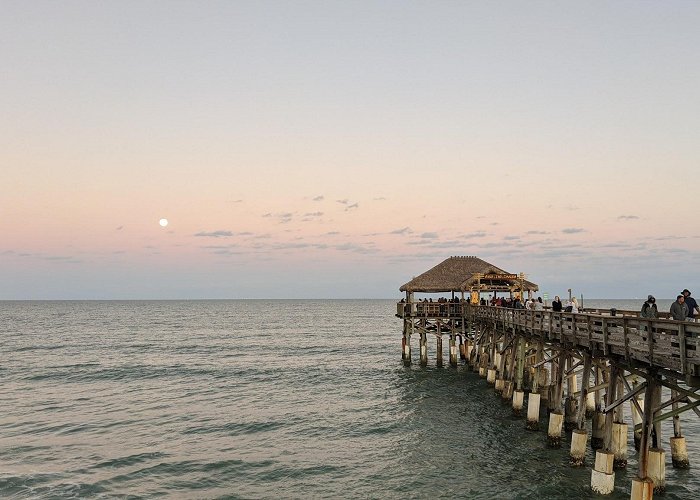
<point>507,393</point>
<point>577,454</point>
<point>657,469</point>
<point>642,489</point>
<point>590,404</point>
<point>533,411</point>
<point>637,421</point>
<point>423,349</point>
<point>518,398</point>
<point>439,350</point>
<point>556,420</point>
<point>570,414</point>
<point>453,351</point>
<point>602,475</point>
<point>491,376</point>
<point>679,453</point>
<point>619,444</point>
<point>499,385</point>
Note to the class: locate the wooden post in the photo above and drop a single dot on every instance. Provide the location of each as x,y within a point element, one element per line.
<point>439,347</point>
<point>583,396</point>
<point>647,424</point>
<point>609,400</point>
<point>424,349</point>
<point>453,349</point>
<point>679,451</point>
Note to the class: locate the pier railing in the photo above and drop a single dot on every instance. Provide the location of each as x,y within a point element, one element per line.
<point>664,343</point>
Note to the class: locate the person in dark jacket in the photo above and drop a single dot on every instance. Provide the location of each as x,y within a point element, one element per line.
<point>556,304</point>
<point>691,303</point>
<point>649,309</point>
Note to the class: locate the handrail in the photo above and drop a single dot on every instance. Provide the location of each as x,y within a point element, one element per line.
<point>674,345</point>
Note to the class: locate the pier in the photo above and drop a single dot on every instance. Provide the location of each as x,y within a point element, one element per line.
<point>569,366</point>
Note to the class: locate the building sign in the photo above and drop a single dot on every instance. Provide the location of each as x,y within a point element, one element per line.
<point>500,276</point>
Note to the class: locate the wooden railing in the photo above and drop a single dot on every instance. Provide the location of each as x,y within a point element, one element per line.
<point>663,343</point>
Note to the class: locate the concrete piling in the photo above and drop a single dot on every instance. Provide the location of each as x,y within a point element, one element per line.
<point>679,453</point>
<point>602,475</point>
<point>619,444</point>
<point>556,420</point>
<point>657,468</point>
<point>533,412</point>
<point>577,454</point>
<point>642,489</point>
<point>518,398</point>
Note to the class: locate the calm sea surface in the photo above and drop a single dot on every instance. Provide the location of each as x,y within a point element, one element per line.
<point>262,399</point>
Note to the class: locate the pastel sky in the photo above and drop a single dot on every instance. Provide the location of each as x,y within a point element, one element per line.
<point>337,149</point>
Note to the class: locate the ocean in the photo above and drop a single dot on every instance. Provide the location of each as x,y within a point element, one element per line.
<point>264,399</point>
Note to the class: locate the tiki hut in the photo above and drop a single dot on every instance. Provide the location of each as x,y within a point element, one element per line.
<point>467,274</point>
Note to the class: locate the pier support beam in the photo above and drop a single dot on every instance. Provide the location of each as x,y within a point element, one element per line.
<point>406,344</point>
<point>439,350</point>
<point>644,483</point>
<point>423,349</point>
<point>453,350</point>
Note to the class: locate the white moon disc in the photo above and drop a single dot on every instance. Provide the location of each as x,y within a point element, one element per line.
<point>163,222</point>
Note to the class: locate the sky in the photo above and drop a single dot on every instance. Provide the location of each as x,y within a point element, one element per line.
<point>328,149</point>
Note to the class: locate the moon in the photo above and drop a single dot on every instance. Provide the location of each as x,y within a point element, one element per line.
<point>163,222</point>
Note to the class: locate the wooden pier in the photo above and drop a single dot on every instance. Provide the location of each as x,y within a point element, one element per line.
<point>576,365</point>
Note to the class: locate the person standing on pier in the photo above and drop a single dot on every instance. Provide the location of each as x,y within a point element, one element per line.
<point>649,309</point>
<point>557,306</point>
<point>679,309</point>
<point>691,303</point>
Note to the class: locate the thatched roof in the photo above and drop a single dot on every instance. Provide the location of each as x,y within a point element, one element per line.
<point>461,274</point>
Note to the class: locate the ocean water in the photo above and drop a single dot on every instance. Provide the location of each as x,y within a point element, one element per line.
<point>261,399</point>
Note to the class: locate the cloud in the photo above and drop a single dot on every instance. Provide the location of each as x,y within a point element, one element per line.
<point>283,217</point>
<point>537,232</point>
<point>332,233</point>
<point>120,228</point>
<point>343,201</point>
<point>318,198</point>
<point>403,230</point>
<point>313,214</point>
<point>381,198</point>
<point>215,234</point>
<point>628,217</point>
<point>350,207</point>
<point>511,238</point>
<point>573,230</point>
<point>352,247</point>
<point>475,234</point>
<point>429,236</point>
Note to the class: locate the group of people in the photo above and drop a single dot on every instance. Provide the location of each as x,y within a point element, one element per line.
<point>682,309</point>
<point>533,304</point>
